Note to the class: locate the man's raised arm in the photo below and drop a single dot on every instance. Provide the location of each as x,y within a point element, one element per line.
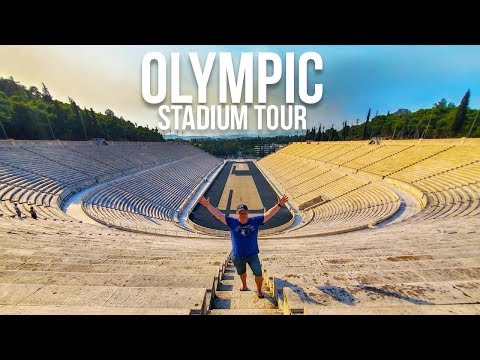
<point>213,210</point>
<point>273,210</point>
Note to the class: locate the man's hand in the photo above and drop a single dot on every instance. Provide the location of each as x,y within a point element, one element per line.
<point>271,212</point>
<point>281,201</point>
<point>204,201</point>
<point>213,210</point>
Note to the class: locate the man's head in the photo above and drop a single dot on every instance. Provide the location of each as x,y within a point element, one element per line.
<point>242,207</point>
<point>242,211</point>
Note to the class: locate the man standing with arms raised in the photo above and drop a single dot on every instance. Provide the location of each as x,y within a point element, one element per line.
<point>244,236</point>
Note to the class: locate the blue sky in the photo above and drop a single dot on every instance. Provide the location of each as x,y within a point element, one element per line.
<point>355,78</point>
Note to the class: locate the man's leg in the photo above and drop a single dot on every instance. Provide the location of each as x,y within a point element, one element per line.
<point>241,266</point>
<point>259,282</point>
<point>254,263</point>
<point>243,277</point>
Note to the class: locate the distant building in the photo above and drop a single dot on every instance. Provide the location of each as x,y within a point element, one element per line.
<point>262,150</point>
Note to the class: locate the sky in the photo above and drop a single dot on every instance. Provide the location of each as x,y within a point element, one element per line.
<point>354,78</point>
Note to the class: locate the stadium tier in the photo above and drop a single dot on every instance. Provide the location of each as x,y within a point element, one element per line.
<point>384,228</point>
<point>150,182</point>
<point>343,185</point>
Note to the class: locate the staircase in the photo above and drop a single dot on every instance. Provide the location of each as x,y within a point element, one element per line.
<point>229,300</point>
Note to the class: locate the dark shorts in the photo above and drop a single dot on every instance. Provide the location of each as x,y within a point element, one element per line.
<point>253,261</point>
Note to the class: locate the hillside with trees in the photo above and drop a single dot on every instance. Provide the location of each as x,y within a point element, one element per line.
<point>32,114</point>
<point>443,120</point>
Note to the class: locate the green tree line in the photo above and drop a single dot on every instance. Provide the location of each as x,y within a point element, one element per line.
<point>32,114</point>
<point>443,120</point>
<point>240,146</point>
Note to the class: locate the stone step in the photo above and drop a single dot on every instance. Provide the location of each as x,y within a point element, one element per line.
<point>120,269</point>
<point>106,279</point>
<point>228,285</point>
<point>245,312</point>
<point>237,299</point>
<point>420,294</point>
<point>379,277</point>
<point>448,260</point>
<point>88,310</point>
<point>457,309</point>
<point>99,258</point>
<point>103,296</point>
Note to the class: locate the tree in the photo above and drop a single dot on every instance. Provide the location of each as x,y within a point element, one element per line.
<point>344,130</point>
<point>365,130</point>
<point>27,123</point>
<point>318,135</point>
<point>442,104</point>
<point>461,114</point>
<point>404,127</point>
<point>331,134</point>
<point>78,117</point>
<point>35,93</point>
<point>46,94</point>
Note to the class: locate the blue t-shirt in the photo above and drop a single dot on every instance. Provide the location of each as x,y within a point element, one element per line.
<point>244,236</point>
